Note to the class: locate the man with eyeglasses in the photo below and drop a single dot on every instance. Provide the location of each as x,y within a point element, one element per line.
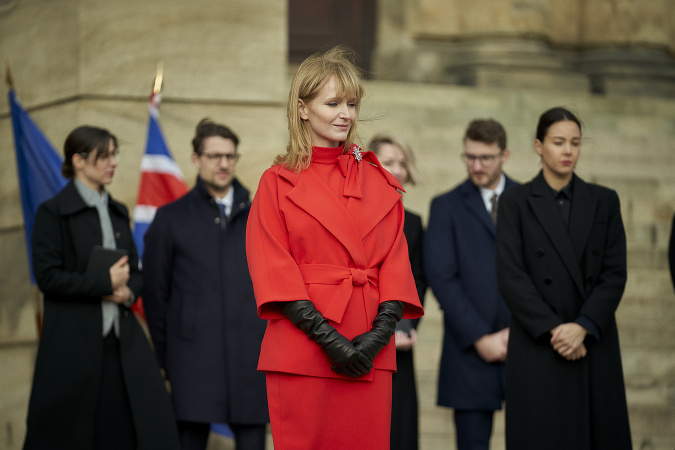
<point>199,300</point>
<point>459,255</point>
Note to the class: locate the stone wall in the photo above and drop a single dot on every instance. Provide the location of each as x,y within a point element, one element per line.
<point>601,46</point>
<point>93,62</point>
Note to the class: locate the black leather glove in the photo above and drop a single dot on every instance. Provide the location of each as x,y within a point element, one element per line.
<point>384,327</point>
<point>345,357</point>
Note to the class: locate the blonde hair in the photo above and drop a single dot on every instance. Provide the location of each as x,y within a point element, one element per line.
<point>312,75</point>
<point>387,138</point>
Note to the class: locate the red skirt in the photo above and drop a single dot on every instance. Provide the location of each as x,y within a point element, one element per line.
<point>312,413</point>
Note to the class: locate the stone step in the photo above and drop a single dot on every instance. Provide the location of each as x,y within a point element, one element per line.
<point>648,283</point>
<point>643,256</point>
<point>652,427</point>
<point>634,307</point>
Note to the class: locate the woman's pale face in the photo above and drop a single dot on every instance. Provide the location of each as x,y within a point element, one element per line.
<point>96,171</point>
<point>329,118</point>
<point>560,150</point>
<point>392,158</point>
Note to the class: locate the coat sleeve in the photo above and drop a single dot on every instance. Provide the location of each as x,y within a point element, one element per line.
<point>275,274</point>
<point>443,272</point>
<point>396,280</point>
<point>157,264</point>
<point>603,299</point>
<point>49,266</point>
<point>517,288</point>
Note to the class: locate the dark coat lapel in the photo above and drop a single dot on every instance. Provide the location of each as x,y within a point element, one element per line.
<point>582,216</point>
<point>545,209</point>
<point>474,203</point>
<point>313,196</point>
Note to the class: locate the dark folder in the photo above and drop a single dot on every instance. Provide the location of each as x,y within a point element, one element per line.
<point>102,258</point>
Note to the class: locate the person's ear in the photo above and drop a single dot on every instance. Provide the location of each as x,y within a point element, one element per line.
<point>195,160</point>
<point>505,155</point>
<point>302,109</point>
<point>538,147</point>
<point>78,161</point>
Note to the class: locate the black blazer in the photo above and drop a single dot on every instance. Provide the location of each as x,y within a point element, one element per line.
<point>65,388</point>
<point>549,275</point>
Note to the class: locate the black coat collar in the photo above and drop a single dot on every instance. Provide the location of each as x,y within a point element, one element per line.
<point>70,202</point>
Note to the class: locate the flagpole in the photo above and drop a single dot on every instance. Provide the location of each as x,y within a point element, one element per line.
<point>159,76</point>
<point>9,79</point>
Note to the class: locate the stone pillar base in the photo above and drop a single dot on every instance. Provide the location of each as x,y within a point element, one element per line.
<point>491,62</point>
<point>629,71</point>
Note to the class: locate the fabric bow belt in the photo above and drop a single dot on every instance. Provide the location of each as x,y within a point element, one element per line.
<point>346,278</point>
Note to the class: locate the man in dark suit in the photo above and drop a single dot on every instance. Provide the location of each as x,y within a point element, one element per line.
<point>199,299</point>
<point>459,255</point>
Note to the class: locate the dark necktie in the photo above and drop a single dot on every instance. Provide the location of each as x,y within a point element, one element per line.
<point>493,211</point>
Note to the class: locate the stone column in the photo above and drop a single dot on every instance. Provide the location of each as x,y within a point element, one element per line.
<point>628,46</point>
<point>501,43</point>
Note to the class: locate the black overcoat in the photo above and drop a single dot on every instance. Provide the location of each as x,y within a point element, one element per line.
<point>549,276</point>
<point>201,309</point>
<point>65,388</point>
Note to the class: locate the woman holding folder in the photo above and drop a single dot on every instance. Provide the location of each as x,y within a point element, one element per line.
<point>97,383</point>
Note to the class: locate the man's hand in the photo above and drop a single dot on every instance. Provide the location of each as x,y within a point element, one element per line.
<point>493,347</point>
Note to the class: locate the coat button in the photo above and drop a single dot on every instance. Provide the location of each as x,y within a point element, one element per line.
<point>548,280</point>
<point>117,235</point>
<point>589,279</point>
<point>540,252</point>
<point>217,219</point>
<point>126,313</point>
<point>596,251</point>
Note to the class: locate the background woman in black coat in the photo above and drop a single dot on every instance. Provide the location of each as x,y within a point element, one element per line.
<point>396,156</point>
<point>97,384</point>
<point>561,268</point>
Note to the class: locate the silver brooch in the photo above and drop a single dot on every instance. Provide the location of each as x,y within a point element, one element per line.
<point>357,153</point>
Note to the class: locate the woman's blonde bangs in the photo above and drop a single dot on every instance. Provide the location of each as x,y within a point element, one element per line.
<point>311,76</point>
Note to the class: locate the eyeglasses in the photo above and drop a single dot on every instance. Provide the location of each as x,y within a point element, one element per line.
<point>485,160</point>
<point>105,157</point>
<point>217,158</point>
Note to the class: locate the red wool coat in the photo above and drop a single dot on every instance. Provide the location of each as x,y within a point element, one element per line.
<point>331,234</point>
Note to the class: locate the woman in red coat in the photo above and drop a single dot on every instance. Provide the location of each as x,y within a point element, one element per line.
<point>330,270</point>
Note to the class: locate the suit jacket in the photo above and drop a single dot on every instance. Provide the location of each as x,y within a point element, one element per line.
<point>68,368</point>
<point>337,242</point>
<point>549,275</point>
<point>201,310</point>
<point>459,263</point>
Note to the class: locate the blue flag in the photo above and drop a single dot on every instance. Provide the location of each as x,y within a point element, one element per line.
<point>39,167</point>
